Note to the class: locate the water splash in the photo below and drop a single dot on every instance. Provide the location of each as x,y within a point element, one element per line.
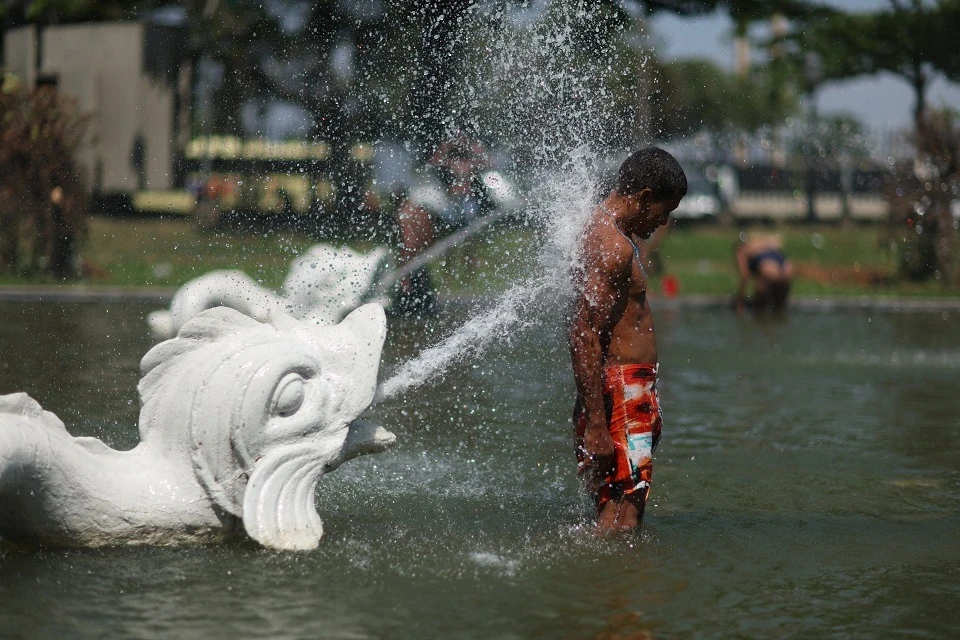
<point>565,201</point>
<point>545,88</point>
<point>472,338</point>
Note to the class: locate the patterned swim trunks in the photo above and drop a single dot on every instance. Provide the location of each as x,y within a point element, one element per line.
<point>633,414</point>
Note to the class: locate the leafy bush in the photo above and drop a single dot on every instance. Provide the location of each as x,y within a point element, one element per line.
<point>43,204</point>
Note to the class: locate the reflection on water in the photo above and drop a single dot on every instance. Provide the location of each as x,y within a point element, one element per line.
<point>806,486</point>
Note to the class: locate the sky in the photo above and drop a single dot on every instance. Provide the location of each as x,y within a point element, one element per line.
<point>883,101</point>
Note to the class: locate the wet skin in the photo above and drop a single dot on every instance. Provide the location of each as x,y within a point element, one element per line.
<point>612,325</point>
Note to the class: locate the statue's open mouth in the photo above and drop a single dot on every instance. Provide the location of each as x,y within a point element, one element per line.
<point>364,438</point>
<point>279,501</point>
<point>279,505</point>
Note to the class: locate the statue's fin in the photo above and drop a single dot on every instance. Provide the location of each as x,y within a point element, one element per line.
<point>23,405</point>
<point>202,328</point>
<point>20,403</point>
<point>364,330</point>
<point>215,323</point>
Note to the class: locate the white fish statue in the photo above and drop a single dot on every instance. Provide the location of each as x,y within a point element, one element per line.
<point>322,286</point>
<point>239,421</point>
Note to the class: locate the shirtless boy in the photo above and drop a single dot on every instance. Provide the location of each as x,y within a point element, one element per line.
<point>612,343</point>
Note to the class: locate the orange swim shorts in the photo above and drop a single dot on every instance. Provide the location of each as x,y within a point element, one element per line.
<point>634,419</point>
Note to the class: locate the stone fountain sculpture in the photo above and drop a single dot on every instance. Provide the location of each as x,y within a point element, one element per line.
<point>322,286</point>
<point>239,421</point>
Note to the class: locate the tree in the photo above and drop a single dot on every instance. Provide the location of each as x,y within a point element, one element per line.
<point>921,194</point>
<point>742,11</point>
<point>697,95</point>
<point>912,39</point>
<point>41,191</point>
<point>16,12</point>
<point>355,68</point>
<point>368,70</point>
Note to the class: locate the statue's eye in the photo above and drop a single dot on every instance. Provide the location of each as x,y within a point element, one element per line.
<point>289,395</point>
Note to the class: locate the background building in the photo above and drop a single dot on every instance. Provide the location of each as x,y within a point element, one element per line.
<point>128,78</point>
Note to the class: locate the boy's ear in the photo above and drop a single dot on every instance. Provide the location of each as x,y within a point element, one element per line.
<point>644,196</point>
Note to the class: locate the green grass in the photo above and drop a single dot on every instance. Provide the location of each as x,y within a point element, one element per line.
<point>169,252</point>
<point>830,261</point>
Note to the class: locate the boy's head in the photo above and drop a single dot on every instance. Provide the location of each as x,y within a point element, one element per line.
<point>654,169</point>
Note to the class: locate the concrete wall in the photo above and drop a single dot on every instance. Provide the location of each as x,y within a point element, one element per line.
<point>20,53</point>
<point>101,65</point>
<point>157,124</point>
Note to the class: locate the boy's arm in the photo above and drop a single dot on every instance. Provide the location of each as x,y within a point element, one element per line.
<point>592,323</point>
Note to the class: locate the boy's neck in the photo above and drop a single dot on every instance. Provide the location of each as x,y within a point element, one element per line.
<point>624,210</point>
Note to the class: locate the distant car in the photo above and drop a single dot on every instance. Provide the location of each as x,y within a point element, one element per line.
<point>701,201</point>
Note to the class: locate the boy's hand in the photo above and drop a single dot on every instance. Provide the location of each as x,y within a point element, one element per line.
<point>600,454</point>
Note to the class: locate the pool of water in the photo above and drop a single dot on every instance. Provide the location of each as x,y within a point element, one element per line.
<point>807,485</point>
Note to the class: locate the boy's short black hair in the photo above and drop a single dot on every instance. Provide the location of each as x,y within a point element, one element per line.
<point>655,169</point>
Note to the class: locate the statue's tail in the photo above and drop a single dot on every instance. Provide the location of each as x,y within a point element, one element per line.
<point>25,430</point>
<point>220,288</point>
